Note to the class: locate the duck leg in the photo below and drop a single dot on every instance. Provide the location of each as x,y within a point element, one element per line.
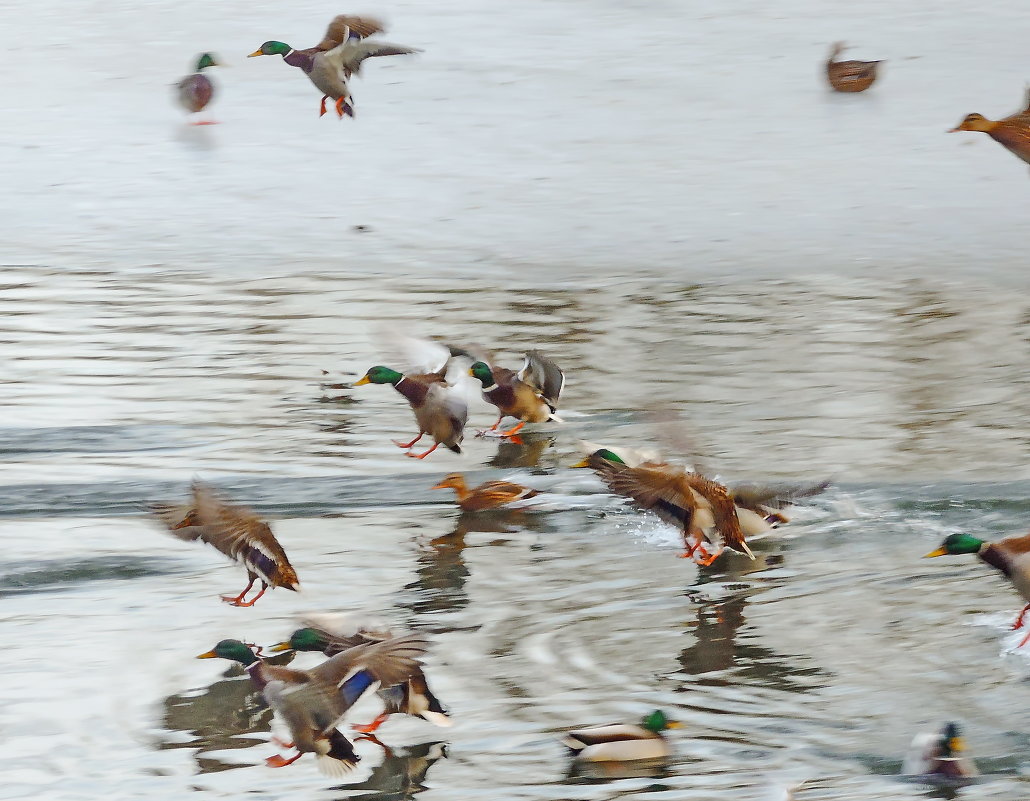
<point>321,108</point>
<point>425,454</point>
<point>707,559</point>
<point>343,107</point>
<point>494,427</point>
<point>368,728</point>
<point>513,431</point>
<point>279,761</point>
<point>236,601</point>
<point>1019,620</point>
<point>253,600</point>
<point>408,445</point>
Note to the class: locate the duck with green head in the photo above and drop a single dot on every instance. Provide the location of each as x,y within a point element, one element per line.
<point>439,411</point>
<point>412,697</point>
<point>622,742</point>
<point>330,63</point>
<point>1010,555</point>
<point>312,703</point>
<point>195,91</point>
<point>689,501</point>
<point>529,394</point>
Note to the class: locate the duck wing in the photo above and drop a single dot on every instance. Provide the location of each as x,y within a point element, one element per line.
<point>348,675</point>
<point>544,376</point>
<point>657,489</point>
<point>346,26</point>
<point>723,510</point>
<point>755,496</point>
<point>349,55</point>
<point>242,536</point>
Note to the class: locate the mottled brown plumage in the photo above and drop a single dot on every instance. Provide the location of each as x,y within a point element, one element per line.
<point>677,496</point>
<point>1012,132</point>
<point>849,76</point>
<point>236,532</point>
<point>488,495</point>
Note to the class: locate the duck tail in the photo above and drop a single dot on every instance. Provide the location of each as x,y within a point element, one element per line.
<point>340,759</point>
<point>455,448</point>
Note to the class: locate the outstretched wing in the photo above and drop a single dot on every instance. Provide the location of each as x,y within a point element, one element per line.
<point>350,54</point>
<point>544,376</point>
<point>752,496</point>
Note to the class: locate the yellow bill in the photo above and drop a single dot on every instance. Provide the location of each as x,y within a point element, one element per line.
<point>939,552</point>
<point>207,655</point>
<point>282,646</point>
<point>256,53</point>
<point>361,381</point>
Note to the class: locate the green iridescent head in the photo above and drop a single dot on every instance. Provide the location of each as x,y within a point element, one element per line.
<point>956,544</point>
<point>379,375</point>
<point>272,48</point>
<point>306,639</point>
<point>206,60</point>
<point>231,649</point>
<point>601,453</point>
<point>657,722</point>
<point>481,370</point>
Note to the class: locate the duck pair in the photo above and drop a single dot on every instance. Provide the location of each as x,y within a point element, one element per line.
<point>313,703</point>
<point>441,411</point>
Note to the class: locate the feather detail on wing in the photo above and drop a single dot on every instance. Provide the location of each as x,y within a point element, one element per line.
<point>544,376</point>
<point>346,25</point>
<point>243,537</point>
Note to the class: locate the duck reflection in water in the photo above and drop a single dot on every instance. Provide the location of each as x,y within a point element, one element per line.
<point>401,774</point>
<point>521,450</point>
<point>219,716</point>
<point>720,616</point>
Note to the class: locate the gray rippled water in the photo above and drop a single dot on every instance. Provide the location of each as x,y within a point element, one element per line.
<point>818,661</point>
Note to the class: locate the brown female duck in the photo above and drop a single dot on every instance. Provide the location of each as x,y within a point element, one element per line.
<point>849,76</point>
<point>488,495</point>
<point>1012,132</point>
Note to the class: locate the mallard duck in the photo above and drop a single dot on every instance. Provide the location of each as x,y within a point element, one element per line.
<point>195,91</point>
<point>622,742</point>
<point>678,497</point>
<point>313,702</point>
<point>1010,555</point>
<point>488,495</point>
<point>939,754</point>
<point>758,507</point>
<point>1012,132</point>
<point>849,76</point>
<point>439,411</point>
<point>530,394</point>
<point>412,697</point>
<point>330,63</point>
<point>238,533</point>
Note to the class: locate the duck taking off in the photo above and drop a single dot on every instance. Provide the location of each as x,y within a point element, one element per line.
<point>330,63</point>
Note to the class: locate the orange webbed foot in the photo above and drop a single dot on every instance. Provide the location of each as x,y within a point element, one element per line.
<point>279,761</point>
